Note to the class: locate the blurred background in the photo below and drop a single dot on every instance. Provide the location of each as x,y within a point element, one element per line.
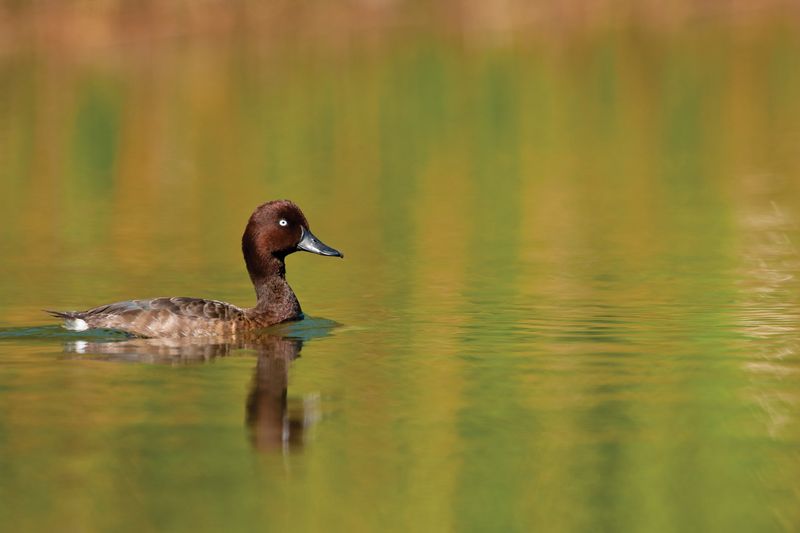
<point>570,297</point>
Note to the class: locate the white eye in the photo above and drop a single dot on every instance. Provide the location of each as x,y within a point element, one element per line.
<point>283,222</point>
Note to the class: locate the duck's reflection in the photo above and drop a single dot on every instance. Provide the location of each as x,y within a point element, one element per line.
<point>274,422</point>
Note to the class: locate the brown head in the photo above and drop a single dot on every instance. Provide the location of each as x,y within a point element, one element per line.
<point>275,230</point>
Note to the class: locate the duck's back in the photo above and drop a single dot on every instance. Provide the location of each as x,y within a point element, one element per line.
<point>161,317</point>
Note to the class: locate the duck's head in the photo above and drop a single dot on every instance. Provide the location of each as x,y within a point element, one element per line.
<point>277,229</point>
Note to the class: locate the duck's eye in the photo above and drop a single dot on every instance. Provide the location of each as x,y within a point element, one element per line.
<point>283,222</point>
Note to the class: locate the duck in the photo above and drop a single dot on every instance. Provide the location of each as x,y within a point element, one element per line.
<point>275,230</point>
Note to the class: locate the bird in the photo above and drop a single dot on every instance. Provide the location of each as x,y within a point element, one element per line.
<point>275,229</point>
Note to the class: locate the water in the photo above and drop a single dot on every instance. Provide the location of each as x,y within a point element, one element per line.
<point>569,300</point>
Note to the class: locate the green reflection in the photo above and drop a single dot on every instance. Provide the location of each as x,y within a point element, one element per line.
<point>569,300</point>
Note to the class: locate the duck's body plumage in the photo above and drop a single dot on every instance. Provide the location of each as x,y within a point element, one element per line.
<point>275,230</point>
<point>164,317</point>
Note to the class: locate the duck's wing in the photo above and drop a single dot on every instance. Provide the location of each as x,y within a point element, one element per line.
<point>159,317</point>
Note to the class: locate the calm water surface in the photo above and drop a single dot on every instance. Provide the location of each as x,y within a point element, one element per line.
<point>570,298</point>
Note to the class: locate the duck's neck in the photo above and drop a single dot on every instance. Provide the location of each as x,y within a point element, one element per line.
<point>274,297</point>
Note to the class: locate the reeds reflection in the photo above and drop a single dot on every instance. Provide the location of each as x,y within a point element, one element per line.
<point>274,422</point>
<point>554,290</point>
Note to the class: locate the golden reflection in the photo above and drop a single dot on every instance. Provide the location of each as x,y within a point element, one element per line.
<point>553,271</point>
<point>76,25</point>
<point>768,311</point>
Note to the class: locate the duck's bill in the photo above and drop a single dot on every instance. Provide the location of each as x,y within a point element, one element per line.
<point>309,243</point>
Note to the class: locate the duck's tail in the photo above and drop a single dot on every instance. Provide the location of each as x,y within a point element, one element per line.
<point>73,320</point>
<point>60,314</point>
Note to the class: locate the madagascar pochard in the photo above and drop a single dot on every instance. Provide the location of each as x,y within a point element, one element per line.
<point>275,230</point>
